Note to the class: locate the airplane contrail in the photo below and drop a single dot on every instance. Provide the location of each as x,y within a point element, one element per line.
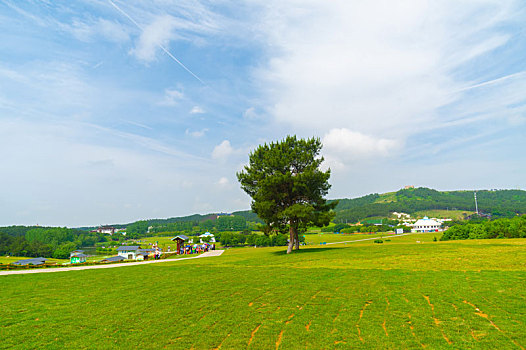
<point>160,45</point>
<point>491,82</point>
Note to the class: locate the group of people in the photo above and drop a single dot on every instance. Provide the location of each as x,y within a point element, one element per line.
<point>197,248</point>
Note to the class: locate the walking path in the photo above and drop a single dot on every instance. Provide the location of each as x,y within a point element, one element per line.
<point>108,266</point>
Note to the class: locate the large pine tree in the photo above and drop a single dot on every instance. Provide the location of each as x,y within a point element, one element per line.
<point>287,186</point>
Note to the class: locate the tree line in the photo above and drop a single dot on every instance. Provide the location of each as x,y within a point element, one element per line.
<point>47,242</point>
<point>230,239</point>
<point>487,229</point>
<point>194,226</point>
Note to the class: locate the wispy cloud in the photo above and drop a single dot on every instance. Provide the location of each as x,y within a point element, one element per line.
<point>171,97</point>
<point>196,133</point>
<point>376,68</point>
<point>197,110</point>
<point>155,35</point>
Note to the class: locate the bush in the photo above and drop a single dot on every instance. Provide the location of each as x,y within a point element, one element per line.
<point>378,241</point>
<point>281,240</point>
<point>262,241</point>
<point>499,228</point>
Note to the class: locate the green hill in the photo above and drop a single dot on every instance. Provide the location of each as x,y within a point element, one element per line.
<point>498,203</point>
<point>417,201</point>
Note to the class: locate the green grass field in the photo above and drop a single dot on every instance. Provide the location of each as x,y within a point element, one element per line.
<point>331,237</point>
<point>12,259</point>
<point>443,214</point>
<point>399,294</point>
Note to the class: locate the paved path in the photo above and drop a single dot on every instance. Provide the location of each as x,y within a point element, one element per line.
<point>108,266</point>
<point>369,239</point>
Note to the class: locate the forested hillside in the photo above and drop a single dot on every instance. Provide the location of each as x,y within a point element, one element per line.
<point>498,203</point>
<point>56,242</point>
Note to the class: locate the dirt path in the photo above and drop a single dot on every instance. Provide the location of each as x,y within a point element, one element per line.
<point>108,266</point>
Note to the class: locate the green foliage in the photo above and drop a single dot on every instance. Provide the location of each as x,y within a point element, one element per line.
<point>63,250</point>
<point>378,241</point>
<point>56,242</point>
<point>335,228</point>
<point>286,185</point>
<point>350,229</point>
<point>499,228</point>
<point>230,223</point>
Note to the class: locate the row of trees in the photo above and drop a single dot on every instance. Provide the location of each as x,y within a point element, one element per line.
<point>499,228</point>
<point>230,239</point>
<point>211,223</point>
<point>55,242</point>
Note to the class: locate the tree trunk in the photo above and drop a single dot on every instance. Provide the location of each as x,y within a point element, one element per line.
<point>292,236</point>
<point>296,240</point>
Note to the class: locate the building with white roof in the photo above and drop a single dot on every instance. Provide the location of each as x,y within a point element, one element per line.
<point>207,235</point>
<point>426,225</point>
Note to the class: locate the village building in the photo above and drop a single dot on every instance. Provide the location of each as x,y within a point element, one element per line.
<point>145,254</point>
<point>207,235</point>
<point>77,258</point>
<point>75,252</point>
<point>426,225</point>
<point>105,229</point>
<point>113,259</point>
<point>128,251</point>
<point>32,261</point>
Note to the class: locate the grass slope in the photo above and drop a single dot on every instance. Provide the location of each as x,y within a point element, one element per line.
<point>399,294</point>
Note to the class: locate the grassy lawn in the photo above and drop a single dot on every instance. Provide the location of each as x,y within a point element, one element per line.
<point>443,214</point>
<point>399,294</point>
<point>12,259</point>
<point>331,237</point>
<point>164,242</point>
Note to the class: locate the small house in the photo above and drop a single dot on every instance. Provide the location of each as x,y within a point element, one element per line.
<point>208,235</point>
<point>78,258</point>
<point>32,261</point>
<point>145,254</point>
<point>128,251</point>
<point>75,252</point>
<point>113,259</point>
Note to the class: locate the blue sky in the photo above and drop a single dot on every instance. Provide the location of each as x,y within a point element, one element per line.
<point>113,111</point>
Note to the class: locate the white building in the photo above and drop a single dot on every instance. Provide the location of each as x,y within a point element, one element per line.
<point>207,234</point>
<point>128,251</point>
<point>426,225</point>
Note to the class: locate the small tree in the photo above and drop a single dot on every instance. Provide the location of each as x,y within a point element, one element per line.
<point>287,186</point>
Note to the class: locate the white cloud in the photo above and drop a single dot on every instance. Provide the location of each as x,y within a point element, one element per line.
<point>197,133</point>
<point>222,151</point>
<point>197,110</point>
<point>100,28</point>
<point>346,145</point>
<point>250,113</point>
<point>379,68</point>
<point>223,182</point>
<point>158,33</point>
<point>171,97</point>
